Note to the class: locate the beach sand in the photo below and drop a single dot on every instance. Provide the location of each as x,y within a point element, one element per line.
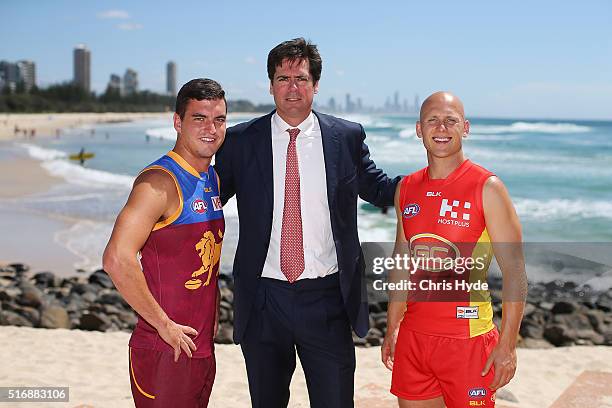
<point>95,367</point>
<point>46,124</point>
<point>29,236</point>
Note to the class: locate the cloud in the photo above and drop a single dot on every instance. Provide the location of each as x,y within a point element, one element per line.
<point>250,60</point>
<point>114,14</point>
<point>129,26</point>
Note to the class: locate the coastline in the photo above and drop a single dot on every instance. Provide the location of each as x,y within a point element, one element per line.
<point>47,124</point>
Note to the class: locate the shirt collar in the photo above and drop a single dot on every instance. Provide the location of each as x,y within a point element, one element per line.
<point>306,127</point>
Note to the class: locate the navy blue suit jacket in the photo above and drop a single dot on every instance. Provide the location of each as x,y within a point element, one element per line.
<point>244,165</point>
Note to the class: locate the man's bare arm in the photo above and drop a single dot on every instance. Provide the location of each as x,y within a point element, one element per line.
<point>397,299</point>
<point>505,231</point>
<point>153,197</point>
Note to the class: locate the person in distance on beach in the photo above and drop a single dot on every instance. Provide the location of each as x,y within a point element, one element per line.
<point>298,268</point>
<point>441,343</point>
<point>174,220</point>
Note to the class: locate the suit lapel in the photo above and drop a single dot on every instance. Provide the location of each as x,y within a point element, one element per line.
<point>331,153</point>
<point>261,144</point>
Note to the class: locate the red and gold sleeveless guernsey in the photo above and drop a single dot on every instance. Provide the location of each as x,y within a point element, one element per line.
<point>180,259</point>
<point>443,221</point>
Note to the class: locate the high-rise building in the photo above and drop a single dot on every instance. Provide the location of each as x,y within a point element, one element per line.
<point>331,105</point>
<point>171,78</point>
<point>417,103</point>
<point>130,82</point>
<point>9,75</point>
<point>349,104</point>
<point>82,67</point>
<point>27,74</point>
<point>14,74</point>
<point>114,83</point>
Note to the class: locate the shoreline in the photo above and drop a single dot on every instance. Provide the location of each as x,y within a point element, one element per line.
<point>47,124</point>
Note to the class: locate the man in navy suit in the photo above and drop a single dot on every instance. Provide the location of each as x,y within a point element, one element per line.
<point>298,268</point>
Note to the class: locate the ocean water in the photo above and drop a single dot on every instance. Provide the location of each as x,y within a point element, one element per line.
<point>558,172</point>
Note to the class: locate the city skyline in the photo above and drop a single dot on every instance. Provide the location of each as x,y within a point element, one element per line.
<point>503,60</point>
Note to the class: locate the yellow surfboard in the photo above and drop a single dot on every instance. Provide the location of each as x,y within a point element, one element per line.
<point>83,156</point>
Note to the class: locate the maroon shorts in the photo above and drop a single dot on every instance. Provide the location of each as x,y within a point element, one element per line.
<point>157,381</point>
<point>426,367</point>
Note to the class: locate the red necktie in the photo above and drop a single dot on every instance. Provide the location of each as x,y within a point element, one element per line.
<point>292,241</point>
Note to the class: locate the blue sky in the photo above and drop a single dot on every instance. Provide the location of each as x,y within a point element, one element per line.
<point>538,59</point>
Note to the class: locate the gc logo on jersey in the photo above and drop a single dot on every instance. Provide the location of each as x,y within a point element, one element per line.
<point>411,210</point>
<point>436,253</point>
<point>199,206</point>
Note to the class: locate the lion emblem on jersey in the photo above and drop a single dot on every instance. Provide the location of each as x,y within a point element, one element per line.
<point>209,250</point>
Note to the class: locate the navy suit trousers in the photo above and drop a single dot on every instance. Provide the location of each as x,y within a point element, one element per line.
<point>306,316</point>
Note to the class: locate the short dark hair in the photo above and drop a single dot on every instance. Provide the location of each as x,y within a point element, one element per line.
<point>293,50</point>
<point>198,89</point>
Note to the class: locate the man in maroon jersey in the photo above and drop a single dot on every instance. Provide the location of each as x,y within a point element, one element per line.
<point>174,220</point>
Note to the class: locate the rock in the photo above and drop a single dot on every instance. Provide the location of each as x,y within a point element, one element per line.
<point>7,271</point>
<point>33,315</point>
<point>535,344</point>
<point>111,309</point>
<point>223,315</point>
<point>128,318</point>
<point>604,302</point>
<point>81,288</point>
<point>608,337</point>
<point>559,335</point>
<point>75,303</point>
<point>597,320</point>
<point>19,268</point>
<point>575,321</point>
<point>591,336</point>
<point>10,318</point>
<point>112,298</point>
<point>531,330</point>
<point>529,309</point>
<point>225,334</point>
<point>9,294</point>
<point>548,306</point>
<point>226,294</point>
<point>30,296</point>
<point>94,321</point>
<point>565,307</point>
<point>374,337</point>
<point>374,308</point>
<point>358,341</point>
<point>89,297</point>
<point>102,279</point>
<point>505,395</point>
<point>46,279</point>
<point>54,317</point>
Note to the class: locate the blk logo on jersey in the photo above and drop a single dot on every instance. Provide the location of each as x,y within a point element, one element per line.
<point>199,206</point>
<point>216,202</point>
<point>450,213</point>
<point>434,194</point>
<point>411,210</point>
<point>467,312</point>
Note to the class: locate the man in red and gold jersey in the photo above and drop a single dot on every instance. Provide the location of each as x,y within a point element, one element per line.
<point>453,215</point>
<point>174,220</point>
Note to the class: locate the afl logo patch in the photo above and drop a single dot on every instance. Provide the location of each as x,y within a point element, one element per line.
<point>411,210</point>
<point>199,206</point>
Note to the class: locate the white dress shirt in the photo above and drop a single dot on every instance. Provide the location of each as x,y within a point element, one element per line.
<point>319,249</point>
